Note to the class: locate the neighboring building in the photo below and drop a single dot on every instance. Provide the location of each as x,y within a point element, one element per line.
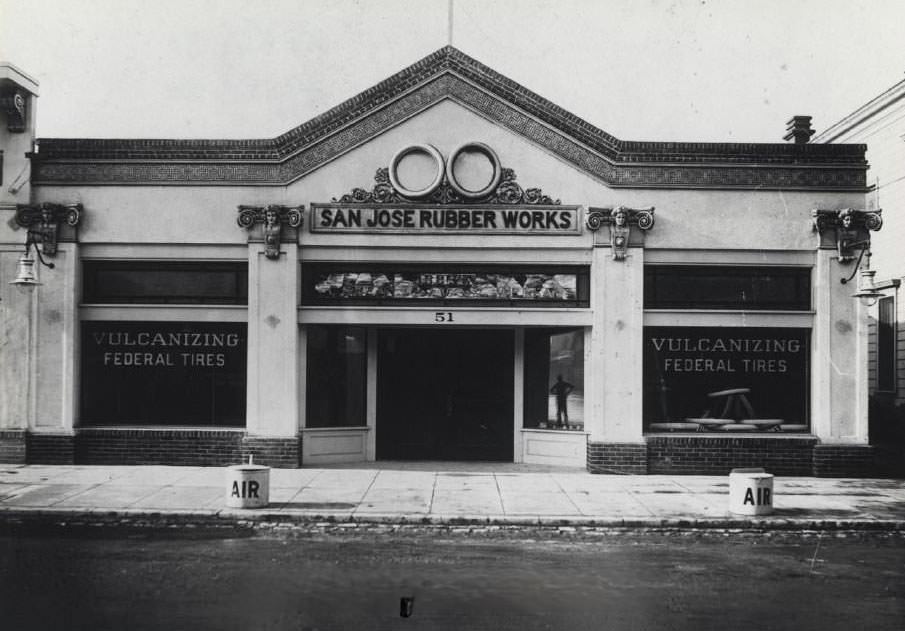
<point>880,123</point>
<point>687,294</point>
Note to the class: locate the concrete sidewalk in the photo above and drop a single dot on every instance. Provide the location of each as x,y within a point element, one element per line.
<point>440,493</point>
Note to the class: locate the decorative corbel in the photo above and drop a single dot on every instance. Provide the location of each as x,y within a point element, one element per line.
<point>847,229</point>
<point>13,105</point>
<point>620,220</point>
<point>272,218</point>
<point>43,221</point>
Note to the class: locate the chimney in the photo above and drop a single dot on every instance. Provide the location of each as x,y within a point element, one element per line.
<point>799,129</point>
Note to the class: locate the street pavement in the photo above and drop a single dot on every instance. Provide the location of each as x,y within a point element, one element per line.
<point>439,493</point>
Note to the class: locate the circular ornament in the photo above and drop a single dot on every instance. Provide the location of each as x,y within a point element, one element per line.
<point>493,162</point>
<point>401,155</point>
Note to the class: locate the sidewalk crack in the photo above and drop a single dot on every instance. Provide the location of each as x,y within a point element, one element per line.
<point>430,507</point>
<point>566,493</point>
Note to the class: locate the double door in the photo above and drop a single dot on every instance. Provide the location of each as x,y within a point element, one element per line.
<point>445,395</point>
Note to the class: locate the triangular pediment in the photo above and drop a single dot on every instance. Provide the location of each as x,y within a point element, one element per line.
<point>450,74</point>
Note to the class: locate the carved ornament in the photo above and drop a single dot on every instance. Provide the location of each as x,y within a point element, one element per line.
<point>43,222</point>
<point>272,218</point>
<point>508,191</point>
<point>847,229</point>
<point>620,219</point>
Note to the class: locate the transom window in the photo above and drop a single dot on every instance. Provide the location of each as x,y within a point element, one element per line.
<point>165,282</point>
<point>550,286</point>
<point>727,287</point>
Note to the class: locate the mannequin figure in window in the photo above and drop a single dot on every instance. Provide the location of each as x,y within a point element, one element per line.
<point>561,389</point>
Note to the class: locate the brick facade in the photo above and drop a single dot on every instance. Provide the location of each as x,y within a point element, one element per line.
<point>625,458</point>
<point>664,455</point>
<point>845,461</point>
<point>158,446</point>
<point>182,447</point>
<point>283,453</point>
<point>13,446</point>
<point>51,448</point>
<point>718,455</point>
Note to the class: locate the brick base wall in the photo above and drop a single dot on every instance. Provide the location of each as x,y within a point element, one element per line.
<point>845,461</point>
<point>283,453</point>
<point>717,455</point>
<point>670,455</point>
<point>624,458</point>
<point>216,448</point>
<point>12,446</point>
<point>51,448</point>
<point>158,446</point>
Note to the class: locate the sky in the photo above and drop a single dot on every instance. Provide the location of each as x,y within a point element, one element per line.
<point>679,70</point>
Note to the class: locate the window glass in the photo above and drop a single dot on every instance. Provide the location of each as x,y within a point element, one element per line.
<point>164,282</point>
<point>330,284</point>
<point>337,376</point>
<point>712,287</point>
<point>726,379</point>
<point>886,344</point>
<point>554,379</point>
<point>163,373</point>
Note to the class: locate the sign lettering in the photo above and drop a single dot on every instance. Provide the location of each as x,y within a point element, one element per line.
<point>719,354</point>
<point>763,497</point>
<point>164,349</point>
<point>248,489</point>
<point>460,219</point>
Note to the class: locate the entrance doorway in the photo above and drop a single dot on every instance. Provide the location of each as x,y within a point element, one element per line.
<point>445,395</point>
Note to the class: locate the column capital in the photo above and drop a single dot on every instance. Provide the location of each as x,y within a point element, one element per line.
<point>620,219</point>
<point>847,229</point>
<point>43,222</point>
<point>272,219</point>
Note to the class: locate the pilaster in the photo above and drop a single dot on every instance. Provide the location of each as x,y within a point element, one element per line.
<point>16,355</point>
<point>619,317</point>
<point>56,343</point>
<point>273,341</point>
<point>839,356</point>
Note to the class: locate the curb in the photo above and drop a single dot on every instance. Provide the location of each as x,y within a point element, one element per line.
<point>16,519</point>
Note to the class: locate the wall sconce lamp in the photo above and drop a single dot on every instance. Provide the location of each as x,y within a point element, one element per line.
<point>26,276</point>
<point>41,223</point>
<point>867,292</point>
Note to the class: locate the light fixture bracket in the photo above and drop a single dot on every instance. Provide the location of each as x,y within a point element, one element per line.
<point>43,221</point>
<point>847,230</point>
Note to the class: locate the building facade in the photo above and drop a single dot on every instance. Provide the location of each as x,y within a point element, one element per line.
<point>445,267</point>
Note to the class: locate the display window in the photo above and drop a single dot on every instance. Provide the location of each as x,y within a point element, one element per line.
<point>554,379</point>
<point>163,373</point>
<point>326,284</point>
<point>337,376</point>
<point>726,379</point>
